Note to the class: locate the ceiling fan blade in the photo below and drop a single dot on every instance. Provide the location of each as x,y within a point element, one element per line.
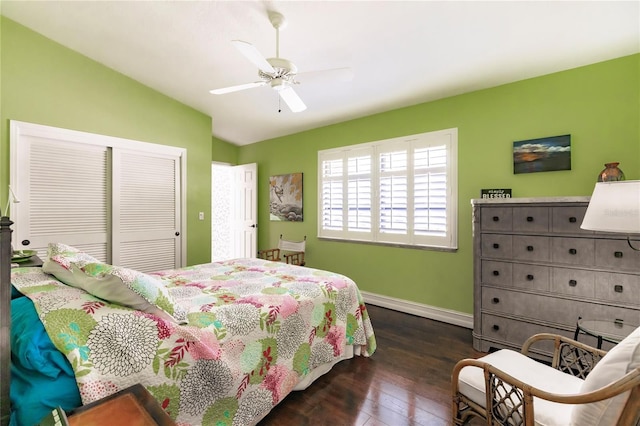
<point>252,54</point>
<point>291,98</point>
<point>230,89</point>
<point>334,74</point>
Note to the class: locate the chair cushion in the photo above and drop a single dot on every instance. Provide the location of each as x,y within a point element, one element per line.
<point>471,384</point>
<point>620,360</point>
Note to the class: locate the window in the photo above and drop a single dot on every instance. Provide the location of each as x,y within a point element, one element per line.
<point>400,191</point>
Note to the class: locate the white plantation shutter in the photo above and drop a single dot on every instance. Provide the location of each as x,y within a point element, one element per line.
<point>394,192</point>
<point>117,199</point>
<point>332,172</point>
<point>430,191</point>
<point>401,191</point>
<point>359,195</point>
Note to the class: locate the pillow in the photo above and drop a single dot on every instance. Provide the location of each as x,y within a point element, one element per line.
<point>112,283</point>
<point>620,360</point>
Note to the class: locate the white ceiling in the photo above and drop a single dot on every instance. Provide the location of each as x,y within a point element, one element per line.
<point>402,52</point>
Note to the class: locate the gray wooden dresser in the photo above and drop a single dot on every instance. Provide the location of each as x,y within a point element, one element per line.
<point>536,271</point>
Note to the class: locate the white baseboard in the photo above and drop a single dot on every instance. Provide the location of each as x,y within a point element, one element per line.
<point>426,311</point>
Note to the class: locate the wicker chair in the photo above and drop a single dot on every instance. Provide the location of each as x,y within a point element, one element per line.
<point>292,251</point>
<point>582,386</point>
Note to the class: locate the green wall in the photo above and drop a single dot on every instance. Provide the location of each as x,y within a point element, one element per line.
<point>599,105</point>
<point>45,83</point>
<point>224,152</point>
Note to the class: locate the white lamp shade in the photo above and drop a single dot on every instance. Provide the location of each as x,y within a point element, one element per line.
<point>614,207</point>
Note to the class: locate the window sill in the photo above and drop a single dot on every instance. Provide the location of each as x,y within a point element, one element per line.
<point>397,245</point>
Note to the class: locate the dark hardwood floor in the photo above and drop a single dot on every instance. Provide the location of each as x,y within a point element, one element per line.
<point>407,381</point>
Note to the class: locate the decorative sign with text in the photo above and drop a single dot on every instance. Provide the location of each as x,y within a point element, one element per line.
<point>495,193</point>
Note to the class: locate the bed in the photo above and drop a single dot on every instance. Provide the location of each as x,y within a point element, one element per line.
<point>219,343</point>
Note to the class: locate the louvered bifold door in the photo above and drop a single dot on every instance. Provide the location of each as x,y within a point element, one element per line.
<point>63,191</point>
<point>146,220</point>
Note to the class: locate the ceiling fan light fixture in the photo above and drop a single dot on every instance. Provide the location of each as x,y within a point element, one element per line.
<point>278,84</point>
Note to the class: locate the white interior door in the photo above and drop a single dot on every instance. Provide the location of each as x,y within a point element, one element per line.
<point>245,223</point>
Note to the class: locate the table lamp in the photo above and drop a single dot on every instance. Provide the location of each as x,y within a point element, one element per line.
<point>615,207</point>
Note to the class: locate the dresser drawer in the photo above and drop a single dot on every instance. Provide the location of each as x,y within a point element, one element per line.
<point>533,277</point>
<point>550,309</point>
<point>567,220</point>
<point>496,273</point>
<point>601,311</point>
<point>617,255</point>
<point>526,305</point>
<point>531,219</point>
<point>495,328</point>
<point>497,246</point>
<point>496,219</point>
<point>526,247</point>
<point>573,251</point>
<point>530,306</point>
<point>620,288</point>
<point>517,332</point>
<point>575,282</point>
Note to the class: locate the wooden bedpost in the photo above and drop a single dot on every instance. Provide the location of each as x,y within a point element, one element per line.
<point>5,318</point>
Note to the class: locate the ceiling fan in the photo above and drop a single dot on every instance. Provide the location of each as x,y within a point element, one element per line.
<point>279,73</point>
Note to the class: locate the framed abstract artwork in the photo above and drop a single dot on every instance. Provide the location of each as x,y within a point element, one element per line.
<point>542,155</point>
<point>285,196</point>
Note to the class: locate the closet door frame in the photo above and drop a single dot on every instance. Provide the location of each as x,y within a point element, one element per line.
<point>20,130</point>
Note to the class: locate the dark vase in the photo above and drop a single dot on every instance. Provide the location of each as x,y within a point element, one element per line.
<point>611,173</point>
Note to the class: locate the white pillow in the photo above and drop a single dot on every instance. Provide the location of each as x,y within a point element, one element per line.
<point>620,360</point>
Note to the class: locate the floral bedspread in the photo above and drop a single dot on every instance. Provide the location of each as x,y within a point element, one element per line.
<point>255,329</point>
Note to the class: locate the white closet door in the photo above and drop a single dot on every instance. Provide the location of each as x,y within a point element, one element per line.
<point>146,214</point>
<point>117,199</point>
<point>63,191</point>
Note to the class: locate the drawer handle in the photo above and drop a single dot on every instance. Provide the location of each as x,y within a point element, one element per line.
<point>618,288</point>
<point>573,219</point>
<point>573,251</point>
<point>529,248</point>
<point>495,300</point>
<point>496,327</point>
<point>496,219</point>
<point>573,283</point>
<point>529,277</point>
<point>529,219</point>
<point>496,245</point>
<point>496,273</point>
<point>618,322</point>
<point>618,254</point>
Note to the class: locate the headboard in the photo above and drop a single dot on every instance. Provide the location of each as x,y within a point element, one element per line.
<point>5,318</point>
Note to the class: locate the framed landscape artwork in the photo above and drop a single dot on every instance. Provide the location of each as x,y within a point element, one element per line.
<point>285,196</point>
<point>542,155</point>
